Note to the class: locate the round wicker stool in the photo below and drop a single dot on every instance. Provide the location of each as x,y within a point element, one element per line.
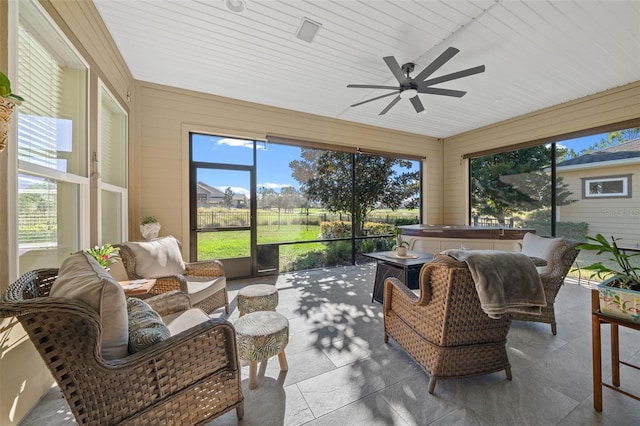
<point>257,297</point>
<point>262,335</point>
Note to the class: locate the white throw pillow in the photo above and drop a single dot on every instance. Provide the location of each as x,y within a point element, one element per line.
<point>81,277</point>
<point>157,258</point>
<point>542,247</point>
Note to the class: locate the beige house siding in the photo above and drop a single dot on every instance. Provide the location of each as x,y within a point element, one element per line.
<point>615,105</point>
<point>167,115</point>
<point>617,217</point>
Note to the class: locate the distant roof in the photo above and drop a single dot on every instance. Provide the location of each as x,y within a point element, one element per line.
<point>622,151</point>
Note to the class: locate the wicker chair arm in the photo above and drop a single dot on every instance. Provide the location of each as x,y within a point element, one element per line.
<point>210,345</point>
<point>395,289</point>
<point>170,302</point>
<point>170,283</point>
<point>205,268</point>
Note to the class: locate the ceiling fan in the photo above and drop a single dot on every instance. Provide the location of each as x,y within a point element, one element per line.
<point>409,87</point>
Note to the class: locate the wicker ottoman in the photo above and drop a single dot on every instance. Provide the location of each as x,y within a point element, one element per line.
<point>261,335</point>
<point>257,297</point>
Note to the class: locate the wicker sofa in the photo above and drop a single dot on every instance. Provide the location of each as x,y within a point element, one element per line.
<point>189,378</point>
<point>444,328</point>
<point>203,281</point>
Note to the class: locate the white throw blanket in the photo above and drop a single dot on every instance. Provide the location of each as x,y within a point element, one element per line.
<point>505,281</point>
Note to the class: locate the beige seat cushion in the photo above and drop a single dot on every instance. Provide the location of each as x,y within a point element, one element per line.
<point>542,247</point>
<point>199,288</point>
<point>117,270</point>
<point>157,258</point>
<point>181,321</point>
<point>82,278</point>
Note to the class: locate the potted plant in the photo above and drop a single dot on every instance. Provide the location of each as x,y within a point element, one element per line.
<point>8,101</point>
<point>401,246</point>
<point>149,227</point>
<point>619,293</point>
<point>104,254</point>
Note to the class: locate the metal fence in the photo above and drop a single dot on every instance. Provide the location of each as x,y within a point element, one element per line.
<point>272,219</point>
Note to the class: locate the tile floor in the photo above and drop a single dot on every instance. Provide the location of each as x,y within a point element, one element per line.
<point>341,372</point>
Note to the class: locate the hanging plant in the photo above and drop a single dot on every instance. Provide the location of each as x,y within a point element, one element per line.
<point>8,101</point>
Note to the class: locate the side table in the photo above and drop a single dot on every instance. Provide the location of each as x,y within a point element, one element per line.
<point>137,287</point>
<point>597,319</point>
<point>406,269</point>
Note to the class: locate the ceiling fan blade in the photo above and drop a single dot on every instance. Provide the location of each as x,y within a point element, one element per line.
<point>395,68</point>
<point>370,86</point>
<point>375,99</point>
<point>417,104</point>
<point>391,104</point>
<point>443,92</point>
<point>453,76</point>
<point>437,63</point>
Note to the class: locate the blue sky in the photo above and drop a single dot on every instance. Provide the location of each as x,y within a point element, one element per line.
<point>273,161</point>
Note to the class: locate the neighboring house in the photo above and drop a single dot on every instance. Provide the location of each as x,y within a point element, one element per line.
<point>606,184</point>
<point>214,197</point>
<point>209,195</point>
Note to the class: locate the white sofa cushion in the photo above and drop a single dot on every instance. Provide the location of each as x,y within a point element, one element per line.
<point>542,247</point>
<point>157,258</point>
<point>181,321</point>
<point>81,277</point>
<point>199,288</point>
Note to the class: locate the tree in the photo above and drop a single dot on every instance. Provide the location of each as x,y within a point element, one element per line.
<point>325,177</point>
<point>228,197</point>
<point>612,139</point>
<point>511,182</point>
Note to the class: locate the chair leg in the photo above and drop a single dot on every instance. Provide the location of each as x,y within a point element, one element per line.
<point>432,384</point>
<point>386,338</point>
<point>253,374</point>
<point>240,411</point>
<point>508,372</point>
<point>554,329</point>
<point>283,361</point>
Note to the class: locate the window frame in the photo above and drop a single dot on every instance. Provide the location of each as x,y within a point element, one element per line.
<point>626,187</point>
<point>121,191</point>
<point>21,167</point>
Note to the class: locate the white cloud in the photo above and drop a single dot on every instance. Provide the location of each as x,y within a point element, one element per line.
<point>235,189</point>
<point>271,185</point>
<point>236,142</point>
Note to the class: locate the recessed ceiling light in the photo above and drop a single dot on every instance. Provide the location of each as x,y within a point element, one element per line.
<point>236,6</point>
<point>308,30</point>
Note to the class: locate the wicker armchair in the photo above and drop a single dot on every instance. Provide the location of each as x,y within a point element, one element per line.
<point>190,378</point>
<point>190,282</point>
<point>559,263</point>
<point>444,329</point>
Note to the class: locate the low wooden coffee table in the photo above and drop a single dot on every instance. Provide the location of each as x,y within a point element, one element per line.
<point>137,287</point>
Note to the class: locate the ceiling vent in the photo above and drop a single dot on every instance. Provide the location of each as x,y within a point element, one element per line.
<point>308,30</point>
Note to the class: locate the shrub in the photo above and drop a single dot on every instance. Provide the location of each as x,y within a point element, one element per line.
<point>335,229</point>
<point>338,252</point>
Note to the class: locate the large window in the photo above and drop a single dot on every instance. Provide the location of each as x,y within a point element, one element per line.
<point>111,173</point>
<point>593,191</point>
<point>53,177</point>
<point>312,206</point>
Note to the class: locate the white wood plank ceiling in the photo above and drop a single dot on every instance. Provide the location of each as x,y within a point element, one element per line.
<point>537,53</point>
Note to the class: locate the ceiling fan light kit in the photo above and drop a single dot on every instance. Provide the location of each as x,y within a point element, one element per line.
<point>409,87</point>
